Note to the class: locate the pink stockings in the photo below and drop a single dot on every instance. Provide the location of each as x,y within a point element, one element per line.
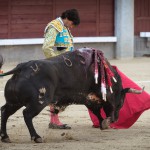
<point>54,119</point>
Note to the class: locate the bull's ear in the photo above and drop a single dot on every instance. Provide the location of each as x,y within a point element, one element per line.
<point>131,90</point>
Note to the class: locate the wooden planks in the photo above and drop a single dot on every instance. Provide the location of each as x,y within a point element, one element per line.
<point>4,18</point>
<point>142,16</point>
<point>28,18</point>
<point>106,24</point>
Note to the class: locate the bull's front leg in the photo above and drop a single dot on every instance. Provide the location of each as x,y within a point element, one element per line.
<point>95,104</point>
<point>109,111</point>
<point>96,109</point>
<point>96,112</point>
<point>104,123</point>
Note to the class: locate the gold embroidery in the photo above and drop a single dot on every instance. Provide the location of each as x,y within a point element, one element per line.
<point>57,25</point>
<point>51,32</point>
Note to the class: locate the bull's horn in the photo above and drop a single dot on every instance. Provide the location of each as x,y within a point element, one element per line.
<point>131,90</point>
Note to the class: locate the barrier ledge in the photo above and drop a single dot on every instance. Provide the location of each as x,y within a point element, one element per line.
<point>34,41</point>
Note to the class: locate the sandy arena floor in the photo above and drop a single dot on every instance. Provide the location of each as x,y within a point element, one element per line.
<point>82,135</point>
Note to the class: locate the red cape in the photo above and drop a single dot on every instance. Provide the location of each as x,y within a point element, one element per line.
<point>134,106</point>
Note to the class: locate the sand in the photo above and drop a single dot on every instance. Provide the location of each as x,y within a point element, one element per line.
<point>82,135</point>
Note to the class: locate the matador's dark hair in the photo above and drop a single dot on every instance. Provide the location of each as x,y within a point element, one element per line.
<point>72,15</point>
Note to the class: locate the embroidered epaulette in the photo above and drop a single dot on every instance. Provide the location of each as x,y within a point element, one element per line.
<point>57,25</point>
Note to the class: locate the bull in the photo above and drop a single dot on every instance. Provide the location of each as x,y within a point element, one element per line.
<point>60,81</point>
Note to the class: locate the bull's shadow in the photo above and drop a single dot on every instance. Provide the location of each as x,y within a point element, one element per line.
<point>83,76</point>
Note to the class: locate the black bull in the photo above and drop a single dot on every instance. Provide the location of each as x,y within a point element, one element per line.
<point>59,81</point>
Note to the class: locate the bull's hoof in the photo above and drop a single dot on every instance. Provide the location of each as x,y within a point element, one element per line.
<point>6,140</point>
<point>38,140</point>
<point>105,123</point>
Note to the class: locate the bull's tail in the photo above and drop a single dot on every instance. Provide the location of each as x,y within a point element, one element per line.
<point>9,72</point>
<point>13,71</point>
